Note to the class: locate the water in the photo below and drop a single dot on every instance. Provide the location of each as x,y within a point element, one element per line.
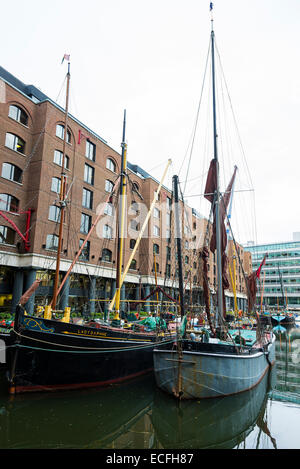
<point>137,415</point>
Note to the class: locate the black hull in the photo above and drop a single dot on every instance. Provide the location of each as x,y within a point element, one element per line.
<point>50,355</point>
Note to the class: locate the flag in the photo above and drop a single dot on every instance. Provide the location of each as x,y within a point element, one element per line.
<point>257,273</point>
<point>65,57</point>
<point>211,5</point>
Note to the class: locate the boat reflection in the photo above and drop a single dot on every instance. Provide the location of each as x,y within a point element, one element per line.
<point>212,423</point>
<point>135,415</point>
<point>84,419</point>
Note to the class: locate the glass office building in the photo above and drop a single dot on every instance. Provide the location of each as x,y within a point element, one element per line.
<point>279,283</point>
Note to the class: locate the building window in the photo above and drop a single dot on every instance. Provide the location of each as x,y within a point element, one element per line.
<point>85,253</point>
<point>9,203</point>
<point>7,235</point>
<point>60,132</point>
<point>133,209</point>
<point>168,270</point>
<point>106,255</point>
<point>85,224</point>
<point>168,251</point>
<point>132,243</point>
<point>54,213</point>
<point>87,198</point>
<point>89,174</point>
<point>134,225</point>
<point>186,259</point>
<point>111,165</point>
<point>55,185</point>
<point>156,213</point>
<point>108,210</point>
<point>169,203</point>
<point>52,242</point>
<point>58,159</point>
<point>15,143</point>
<point>109,185</point>
<point>155,267</point>
<point>156,248</point>
<point>90,150</point>
<point>156,230</point>
<point>133,264</point>
<point>16,113</point>
<point>107,232</point>
<point>11,172</point>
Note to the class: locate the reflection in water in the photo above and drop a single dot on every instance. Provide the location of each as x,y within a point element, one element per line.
<point>137,415</point>
<point>212,423</point>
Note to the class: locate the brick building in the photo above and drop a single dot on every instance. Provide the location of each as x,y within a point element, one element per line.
<point>31,146</point>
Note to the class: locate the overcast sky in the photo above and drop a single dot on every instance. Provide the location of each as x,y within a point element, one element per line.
<point>149,57</point>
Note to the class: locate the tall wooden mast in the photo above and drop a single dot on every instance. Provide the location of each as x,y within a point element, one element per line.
<point>121,222</point>
<point>217,192</point>
<point>178,234</point>
<point>62,195</point>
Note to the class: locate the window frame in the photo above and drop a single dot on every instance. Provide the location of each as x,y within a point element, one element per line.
<point>19,113</point>
<point>89,171</point>
<point>86,198</point>
<point>90,150</point>
<point>61,135</point>
<point>12,167</point>
<point>110,162</point>
<point>17,140</point>
<point>10,199</point>
<point>7,230</point>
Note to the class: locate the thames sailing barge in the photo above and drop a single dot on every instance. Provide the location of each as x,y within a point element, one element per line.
<point>217,362</point>
<point>49,354</point>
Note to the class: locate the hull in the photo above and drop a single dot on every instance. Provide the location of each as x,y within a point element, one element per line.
<point>211,370</point>
<point>51,355</point>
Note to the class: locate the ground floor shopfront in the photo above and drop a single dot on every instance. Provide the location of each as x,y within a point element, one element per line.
<point>90,289</point>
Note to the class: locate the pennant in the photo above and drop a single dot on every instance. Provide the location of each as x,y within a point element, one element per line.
<point>211,5</point>
<point>65,57</point>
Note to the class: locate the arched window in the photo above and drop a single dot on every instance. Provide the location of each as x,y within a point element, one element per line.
<point>186,259</point>
<point>132,243</point>
<point>58,159</point>
<point>111,165</point>
<point>60,132</point>
<point>7,235</point>
<point>109,185</point>
<point>106,255</point>
<point>156,248</point>
<point>16,113</point>
<point>9,203</point>
<point>11,172</point>
<point>15,143</point>
<point>133,264</point>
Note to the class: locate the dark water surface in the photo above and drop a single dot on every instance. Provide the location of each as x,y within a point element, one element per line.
<point>137,415</point>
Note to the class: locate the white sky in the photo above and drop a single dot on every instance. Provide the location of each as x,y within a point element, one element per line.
<point>149,57</point>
